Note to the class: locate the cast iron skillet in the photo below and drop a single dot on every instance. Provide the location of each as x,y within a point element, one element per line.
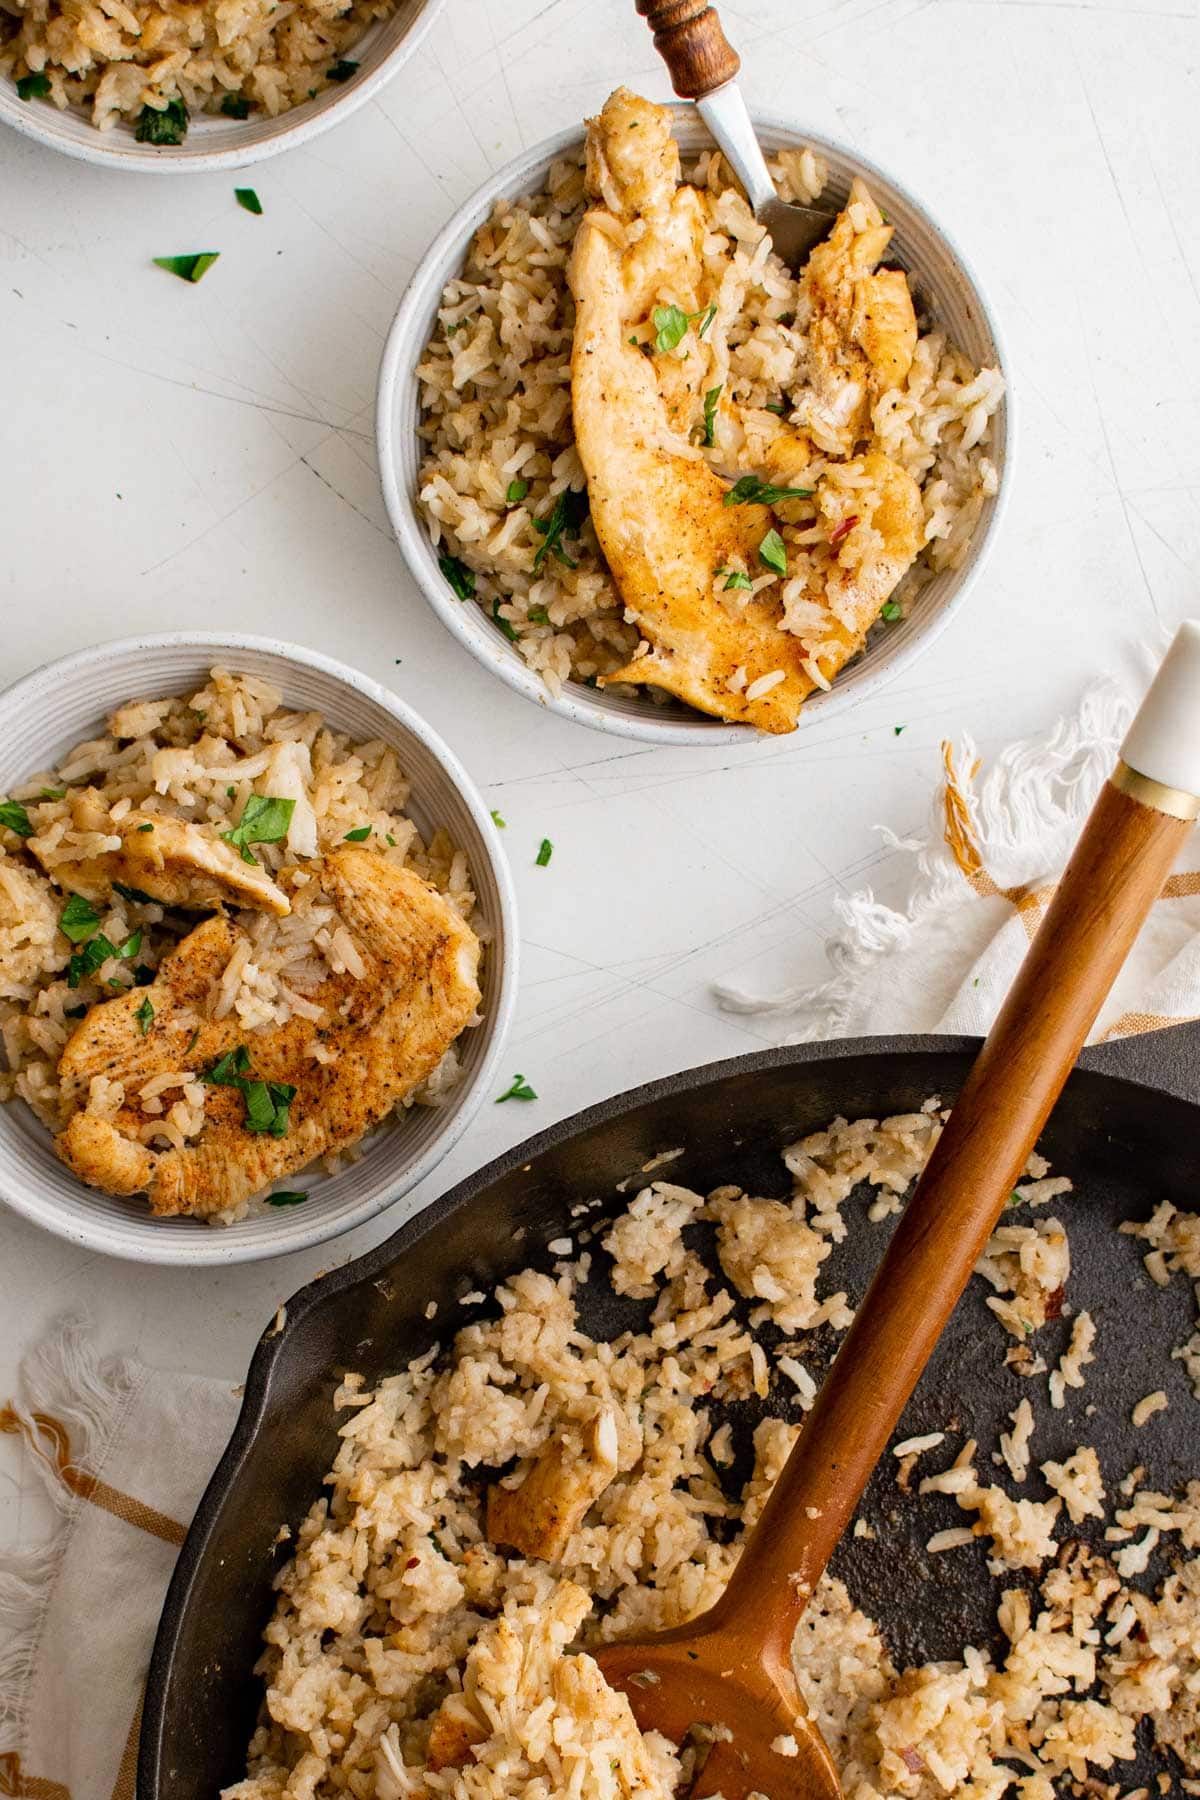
<point>1127,1130</point>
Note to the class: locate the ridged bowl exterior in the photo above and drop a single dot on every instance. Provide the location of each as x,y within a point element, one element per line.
<point>214,142</point>
<point>946,287</point>
<point>55,707</point>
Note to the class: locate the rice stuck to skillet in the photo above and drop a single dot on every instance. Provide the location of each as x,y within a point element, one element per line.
<point>198,758</point>
<point>500,449</point>
<point>411,1654</point>
<point>155,64</point>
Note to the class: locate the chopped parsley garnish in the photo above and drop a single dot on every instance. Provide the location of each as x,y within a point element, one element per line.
<point>78,919</point>
<point>144,1016</point>
<point>230,792</point>
<point>96,952</point>
<point>75,1012</point>
<point>545,852</point>
<point>162,124</point>
<point>777,406</point>
<point>461,579</point>
<point>564,519</point>
<point>773,552</point>
<point>671,323</point>
<point>538,615</point>
<point>505,625</point>
<point>264,820</point>
<point>390,840</point>
<point>191,1043</point>
<point>145,828</point>
<point>15,818</point>
<point>520,1090</point>
<point>735,578</point>
<point>498,822</point>
<point>248,200</point>
<point>53,794</point>
<point>235,106</point>
<point>33,87</point>
<point>517,491</point>
<point>283,1197</point>
<point>711,402</point>
<point>132,893</point>
<point>358,836</point>
<point>188,268</point>
<point>343,70</point>
<point>891,610</point>
<point>750,491</point>
<point>267,1102</point>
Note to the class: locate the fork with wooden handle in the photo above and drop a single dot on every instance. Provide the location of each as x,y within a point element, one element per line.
<point>731,1668</point>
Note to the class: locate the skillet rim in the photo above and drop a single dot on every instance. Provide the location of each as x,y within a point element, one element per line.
<point>1146,1062</point>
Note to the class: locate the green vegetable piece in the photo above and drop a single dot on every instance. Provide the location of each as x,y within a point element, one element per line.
<point>670,325</point>
<point>711,402</point>
<point>248,200</point>
<point>15,818</point>
<point>545,852</point>
<point>144,1016</point>
<point>538,615</point>
<point>517,491</point>
<point>78,919</point>
<point>282,1197</point>
<point>359,835</point>
<point>264,820</point>
<point>145,828</point>
<point>461,579</point>
<point>773,552</point>
<point>891,610</point>
<point>235,106</point>
<point>188,268</point>
<point>498,822</point>
<point>33,87</point>
<point>777,406</point>
<point>343,70</point>
<point>95,954</point>
<point>53,794</point>
<point>706,318</point>
<point>750,491</point>
<point>520,1090</point>
<point>506,625</point>
<point>736,578</point>
<point>564,519</point>
<point>162,125</point>
<point>227,1068</point>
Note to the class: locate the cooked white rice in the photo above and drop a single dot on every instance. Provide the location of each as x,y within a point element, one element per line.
<point>408,1655</point>
<point>496,410</point>
<point>125,59</point>
<point>197,758</point>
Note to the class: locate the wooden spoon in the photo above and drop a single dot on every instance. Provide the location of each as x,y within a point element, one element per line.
<point>731,1668</point>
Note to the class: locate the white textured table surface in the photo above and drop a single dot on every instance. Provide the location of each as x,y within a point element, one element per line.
<point>178,457</point>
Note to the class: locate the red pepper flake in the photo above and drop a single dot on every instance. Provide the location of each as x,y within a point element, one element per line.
<point>847,525</point>
<point>1054,1303</point>
<point>414,1562</point>
<point>914,1762</point>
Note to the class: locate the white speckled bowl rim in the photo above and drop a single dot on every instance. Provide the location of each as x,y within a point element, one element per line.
<point>46,712</point>
<point>213,142</point>
<point>941,271</point>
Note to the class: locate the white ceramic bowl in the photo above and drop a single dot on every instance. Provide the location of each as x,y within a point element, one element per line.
<point>44,715</point>
<point>213,142</point>
<point>946,287</point>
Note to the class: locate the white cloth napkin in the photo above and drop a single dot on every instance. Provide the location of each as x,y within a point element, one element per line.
<point>125,1451</point>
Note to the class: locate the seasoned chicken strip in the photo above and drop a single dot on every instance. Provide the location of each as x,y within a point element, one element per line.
<point>539,1517</point>
<point>382,1034</point>
<point>170,860</point>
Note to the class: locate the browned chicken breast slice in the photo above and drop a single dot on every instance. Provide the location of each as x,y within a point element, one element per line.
<point>539,1517</point>
<point>883,522</point>
<point>171,860</point>
<point>863,330</point>
<point>456,1729</point>
<point>381,1035</point>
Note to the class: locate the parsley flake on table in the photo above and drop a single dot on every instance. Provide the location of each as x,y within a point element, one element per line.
<point>545,852</point>
<point>145,1017</point>
<point>248,200</point>
<point>516,492</point>
<point>33,87</point>
<point>773,552</point>
<point>891,610</point>
<point>461,579</point>
<point>564,519</point>
<point>750,491</point>
<point>235,106</point>
<point>343,70</point>
<point>897,729</point>
<point>711,402</point>
<point>188,268</point>
<point>78,919</point>
<point>285,1197</point>
<point>264,820</point>
<point>498,822</point>
<point>359,835</point>
<point>162,124</point>
<point>14,818</point>
<point>520,1090</point>
<point>736,579</point>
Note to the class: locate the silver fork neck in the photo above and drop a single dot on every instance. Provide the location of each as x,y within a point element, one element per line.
<point>724,112</point>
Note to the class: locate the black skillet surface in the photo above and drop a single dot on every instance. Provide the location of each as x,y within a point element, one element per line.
<point>1126,1146</point>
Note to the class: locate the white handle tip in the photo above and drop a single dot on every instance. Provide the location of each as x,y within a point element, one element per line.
<point>1164,740</point>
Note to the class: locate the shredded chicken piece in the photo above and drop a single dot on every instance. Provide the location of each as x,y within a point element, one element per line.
<point>539,1517</point>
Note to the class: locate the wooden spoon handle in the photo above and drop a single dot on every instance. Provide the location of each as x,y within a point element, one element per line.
<point>689,37</point>
<point>1110,884</point>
